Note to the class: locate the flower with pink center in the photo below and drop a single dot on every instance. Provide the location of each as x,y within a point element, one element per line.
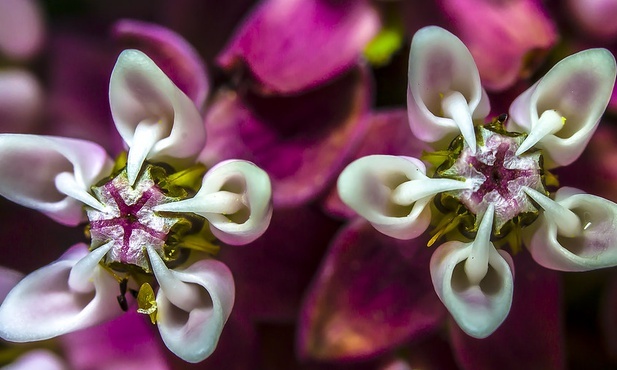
<point>153,216</point>
<point>489,184</point>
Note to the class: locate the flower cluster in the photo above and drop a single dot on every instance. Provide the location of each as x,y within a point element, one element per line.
<point>153,217</point>
<point>489,184</point>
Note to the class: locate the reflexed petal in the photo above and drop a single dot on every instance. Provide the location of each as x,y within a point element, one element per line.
<point>388,133</point>
<point>44,304</point>
<point>40,171</point>
<point>514,33</point>
<point>293,45</point>
<point>8,279</point>
<point>444,93</point>
<point>371,294</point>
<point>474,281</point>
<point>562,110</point>
<point>559,244</point>
<point>392,193</point>
<point>174,55</point>
<point>193,305</point>
<point>21,28</point>
<point>531,337</point>
<point>37,359</point>
<point>153,116</point>
<point>235,197</point>
<point>21,100</point>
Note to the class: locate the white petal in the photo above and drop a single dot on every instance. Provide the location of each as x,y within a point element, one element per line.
<point>392,193</point>
<point>30,165</point>
<point>191,325</point>
<point>152,114</point>
<point>44,305</point>
<point>8,279</point>
<point>591,244</point>
<point>235,197</point>
<point>577,89</point>
<point>475,282</point>
<point>444,93</point>
<point>37,359</point>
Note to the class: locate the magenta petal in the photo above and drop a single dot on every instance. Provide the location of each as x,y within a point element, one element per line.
<point>388,133</point>
<point>174,55</point>
<point>531,337</point>
<point>301,142</point>
<point>371,294</point>
<point>292,45</point>
<point>512,33</point>
<point>128,342</point>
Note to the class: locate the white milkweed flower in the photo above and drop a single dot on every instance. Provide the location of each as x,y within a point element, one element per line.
<point>488,186</point>
<point>152,217</point>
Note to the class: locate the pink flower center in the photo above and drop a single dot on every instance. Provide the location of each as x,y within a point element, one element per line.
<point>129,222</point>
<point>498,176</point>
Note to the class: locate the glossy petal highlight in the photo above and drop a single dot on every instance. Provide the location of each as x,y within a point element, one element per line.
<point>45,304</point>
<point>235,197</point>
<point>51,174</point>
<point>392,193</point>
<point>585,82</point>
<point>191,324</point>
<point>444,93</point>
<point>474,281</point>
<point>591,244</point>
<point>153,116</point>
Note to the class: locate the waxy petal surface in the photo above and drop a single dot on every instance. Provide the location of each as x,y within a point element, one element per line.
<point>531,337</point>
<point>371,294</point>
<point>45,304</point>
<point>392,193</point>
<point>585,81</point>
<point>514,33</point>
<point>592,246</point>
<point>30,166</point>
<point>474,281</point>
<point>274,41</point>
<point>235,197</point>
<point>190,324</point>
<point>153,116</point>
<point>444,93</point>
<point>174,55</point>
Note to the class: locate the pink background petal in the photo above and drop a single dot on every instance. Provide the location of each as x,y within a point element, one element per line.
<point>292,45</point>
<point>372,293</point>
<point>301,142</point>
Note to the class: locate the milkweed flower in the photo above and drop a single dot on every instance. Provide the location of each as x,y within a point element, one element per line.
<point>153,217</point>
<point>488,186</point>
